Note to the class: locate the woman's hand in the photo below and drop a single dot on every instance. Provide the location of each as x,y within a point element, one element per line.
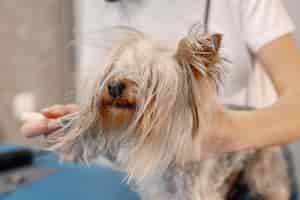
<point>45,126</point>
<point>222,136</point>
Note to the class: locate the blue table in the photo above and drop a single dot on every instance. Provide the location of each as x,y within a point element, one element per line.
<point>74,182</point>
<point>79,182</point>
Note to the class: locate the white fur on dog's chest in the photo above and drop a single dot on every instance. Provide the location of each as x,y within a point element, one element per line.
<point>170,185</point>
<point>195,180</point>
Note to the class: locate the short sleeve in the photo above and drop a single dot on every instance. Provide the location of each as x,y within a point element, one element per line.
<point>264,21</point>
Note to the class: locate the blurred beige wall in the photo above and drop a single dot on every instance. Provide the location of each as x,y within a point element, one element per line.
<point>34,56</point>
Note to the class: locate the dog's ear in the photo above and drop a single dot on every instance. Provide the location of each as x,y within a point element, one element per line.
<point>200,53</point>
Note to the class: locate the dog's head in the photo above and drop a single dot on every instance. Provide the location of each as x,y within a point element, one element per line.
<point>152,100</point>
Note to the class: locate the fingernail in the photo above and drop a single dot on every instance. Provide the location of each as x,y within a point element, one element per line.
<point>27,116</point>
<point>54,124</point>
<point>45,110</point>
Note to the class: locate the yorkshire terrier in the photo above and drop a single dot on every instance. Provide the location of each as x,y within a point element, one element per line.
<point>148,111</point>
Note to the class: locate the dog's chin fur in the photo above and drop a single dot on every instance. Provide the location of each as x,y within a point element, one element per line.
<point>156,124</point>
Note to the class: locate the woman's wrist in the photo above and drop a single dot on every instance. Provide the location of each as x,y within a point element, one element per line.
<point>236,131</point>
<point>235,126</point>
<point>224,136</point>
<point>230,130</point>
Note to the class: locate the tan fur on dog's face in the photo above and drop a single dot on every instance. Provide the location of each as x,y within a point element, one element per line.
<point>138,58</point>
<point>118,112</point>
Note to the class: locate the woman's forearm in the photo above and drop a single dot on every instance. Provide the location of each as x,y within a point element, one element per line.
<point>274,125</point>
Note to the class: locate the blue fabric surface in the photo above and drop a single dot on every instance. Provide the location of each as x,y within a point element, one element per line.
<point>79,182</point>
<point>73,181</point>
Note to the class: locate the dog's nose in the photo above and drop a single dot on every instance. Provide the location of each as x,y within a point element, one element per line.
<point>116,88</point>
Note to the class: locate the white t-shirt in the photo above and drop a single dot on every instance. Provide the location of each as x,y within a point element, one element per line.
<point>246,25</point>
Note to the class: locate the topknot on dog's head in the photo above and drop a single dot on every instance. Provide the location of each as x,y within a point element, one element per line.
<point>200,52</point>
